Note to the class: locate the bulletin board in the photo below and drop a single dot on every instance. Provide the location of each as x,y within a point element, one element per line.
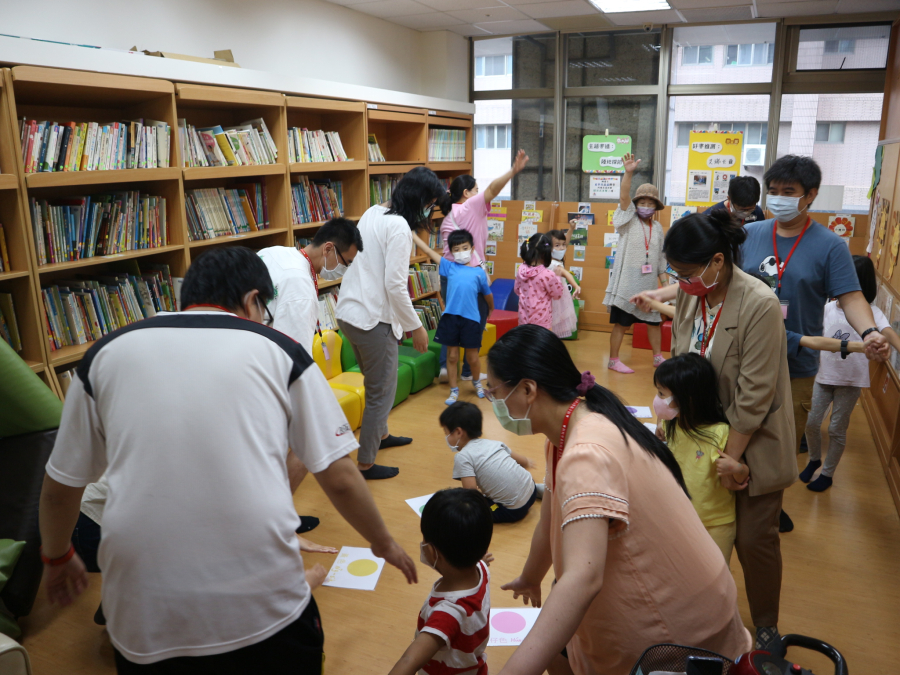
<point>714,158</point>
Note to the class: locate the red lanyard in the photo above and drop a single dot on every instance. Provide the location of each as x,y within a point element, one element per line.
<point>558,450</point>
<point>315,280</point>
<point>708,336</point>
<point>647,237</point>
<point>781,266</point>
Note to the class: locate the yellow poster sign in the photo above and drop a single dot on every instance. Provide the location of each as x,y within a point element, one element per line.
<point>714,158</point>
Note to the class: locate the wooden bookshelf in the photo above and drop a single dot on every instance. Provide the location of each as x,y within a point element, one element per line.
<point>50,94</point>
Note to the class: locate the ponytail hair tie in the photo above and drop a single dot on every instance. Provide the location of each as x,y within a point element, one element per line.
<point>587,383</point>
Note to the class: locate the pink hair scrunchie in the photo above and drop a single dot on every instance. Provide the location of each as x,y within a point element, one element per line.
<point>587,383</point>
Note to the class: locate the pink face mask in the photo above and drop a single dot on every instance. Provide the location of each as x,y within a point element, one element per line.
<point>662,409</point>
<point>695,285</point>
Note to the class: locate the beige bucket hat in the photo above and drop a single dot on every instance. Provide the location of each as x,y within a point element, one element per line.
<point>648,191</point>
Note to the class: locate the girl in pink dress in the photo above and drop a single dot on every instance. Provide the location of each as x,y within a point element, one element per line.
<point>536,286</point>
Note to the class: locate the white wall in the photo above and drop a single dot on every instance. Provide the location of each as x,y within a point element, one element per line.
<point>308,38</point>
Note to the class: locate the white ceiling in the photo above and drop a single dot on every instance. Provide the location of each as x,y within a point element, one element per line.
<point>506,17</point>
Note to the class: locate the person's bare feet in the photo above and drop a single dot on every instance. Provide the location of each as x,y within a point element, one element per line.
<point>311,547</point>
<point>315,576</point>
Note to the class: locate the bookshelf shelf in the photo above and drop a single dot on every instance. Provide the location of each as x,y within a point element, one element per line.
<point>226,97</point>
<point>8,182</point>
<point>58,179</point>
<point>316,225</point>
<point>5,276</point>
<point>36,366</point>
<point>426,295</point>
<point>236,237</point>
<point>206,172</point>
<point>444,122</point>
<point>412,117</point>
<point>379,168</point>
<point>312,167</point>
<point>102,259</point>
<point>418,259</point>
<point>449,166</point>
<point>66,355</point>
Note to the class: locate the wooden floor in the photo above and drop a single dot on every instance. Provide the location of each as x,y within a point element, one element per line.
<point>841,563</point>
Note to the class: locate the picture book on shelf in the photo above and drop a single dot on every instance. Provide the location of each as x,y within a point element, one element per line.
<point>375,154</point>
<point>9,326</point>
<point>315,146</point>
<point>219,212</point>
<point>447,145</point>
<point>4,252</point>
<point>246,144</point>
<point>316,200</point>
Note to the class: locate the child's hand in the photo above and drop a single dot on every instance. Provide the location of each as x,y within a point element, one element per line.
<point>577,293</point>
<point>660,431</point>
<point>488,558</point>
<point>727,465</point>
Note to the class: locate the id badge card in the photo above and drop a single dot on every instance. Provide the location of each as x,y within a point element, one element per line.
<point>784,310</point>
<point>647,268</point>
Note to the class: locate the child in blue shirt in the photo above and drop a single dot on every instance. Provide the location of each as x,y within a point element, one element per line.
<point>460,324</point>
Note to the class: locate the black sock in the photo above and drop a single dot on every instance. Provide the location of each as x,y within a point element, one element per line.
<point>307,523</point>
<point>821,483</point>
<point>394,441</point>
<point>807,473</point>
<point>377,472</point>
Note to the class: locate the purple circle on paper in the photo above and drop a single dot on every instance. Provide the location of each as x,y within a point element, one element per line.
<point>508,622</point>
<point>630,409</point>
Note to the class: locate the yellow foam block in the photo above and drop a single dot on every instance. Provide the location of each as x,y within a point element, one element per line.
<point>351,405</point>
<point>330,365</point>
<point>352,383</point>
<point>488,338</point>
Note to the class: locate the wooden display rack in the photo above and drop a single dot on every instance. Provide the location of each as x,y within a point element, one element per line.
<point>63,95</point>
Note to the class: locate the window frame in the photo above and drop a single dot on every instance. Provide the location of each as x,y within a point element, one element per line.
<point>768,47</point>
<point>831,126</point>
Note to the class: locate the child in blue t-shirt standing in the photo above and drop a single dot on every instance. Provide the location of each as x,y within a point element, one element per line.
<point>460,324</point>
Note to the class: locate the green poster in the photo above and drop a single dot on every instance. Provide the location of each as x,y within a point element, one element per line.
<point>603,154</point>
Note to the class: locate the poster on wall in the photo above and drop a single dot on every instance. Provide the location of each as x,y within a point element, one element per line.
<point>527,229</point>
<point>490,248</point>
<point>495,230</point>
<point>584,207</point>
<point>578,238</point>
<point>577,272</point>
<point>842,224</point>
<point>610,239</point>
<point>681,212</point>
<point>603,153</point>
<point>605,188</point>
<point>714,158</point>
<point>489,267</point>
<point>579,253</point>
<point>580,221</point>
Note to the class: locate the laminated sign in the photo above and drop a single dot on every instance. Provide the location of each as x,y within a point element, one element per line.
<point>713,160</point>
<point>603,154</point>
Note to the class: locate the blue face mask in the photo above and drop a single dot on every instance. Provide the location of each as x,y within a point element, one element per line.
<point>520,427</point>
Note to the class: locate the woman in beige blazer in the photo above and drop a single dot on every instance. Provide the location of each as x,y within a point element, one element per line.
<point>736,322</point>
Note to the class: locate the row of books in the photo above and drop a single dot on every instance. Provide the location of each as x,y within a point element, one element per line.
<point>248,143</point>
<point>429,311</point>
<point>65,378</point>
<point>9,327</point>
<point>434,243</point>
<point>83,310</point>
<point>446,145</point>
<point>316,200</point>
<point>315,146</point>
<point>4,252</point>
<point>94,146</point>
<point>85,227</point>
<point>375,154</point>
<point>327,306</point>
<point>423,278</point>
<point>219,212</point>
<point>381,187</point>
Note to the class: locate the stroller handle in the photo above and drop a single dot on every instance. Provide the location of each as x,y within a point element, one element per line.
<point>793,640</point>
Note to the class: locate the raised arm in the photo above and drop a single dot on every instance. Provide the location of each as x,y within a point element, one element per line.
<point>426,249</point>
<point>497,185</point>
<point>630,164</point>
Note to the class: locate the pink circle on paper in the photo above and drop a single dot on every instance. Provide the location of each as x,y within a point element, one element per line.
<point>508,622</point>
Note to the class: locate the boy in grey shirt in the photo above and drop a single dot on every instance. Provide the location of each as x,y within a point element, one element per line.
<point>489,466</point>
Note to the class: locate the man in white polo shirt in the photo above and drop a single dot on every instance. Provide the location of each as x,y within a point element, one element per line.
<point>191,415</point>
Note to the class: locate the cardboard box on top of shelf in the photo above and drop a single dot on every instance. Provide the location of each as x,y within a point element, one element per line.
<point>222,58</point>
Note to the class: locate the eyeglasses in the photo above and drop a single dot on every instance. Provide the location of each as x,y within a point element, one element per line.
<point>340,255</point>
<point>269,320</point>
<point>674,275</point>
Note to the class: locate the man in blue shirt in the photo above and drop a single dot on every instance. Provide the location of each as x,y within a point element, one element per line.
<point>743,200</point>
<point>460,324</point>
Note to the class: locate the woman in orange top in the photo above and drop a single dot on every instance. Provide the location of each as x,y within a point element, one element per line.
<point>634,565</point>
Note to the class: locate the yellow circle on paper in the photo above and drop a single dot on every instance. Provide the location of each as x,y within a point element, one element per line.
<point>362,568</point>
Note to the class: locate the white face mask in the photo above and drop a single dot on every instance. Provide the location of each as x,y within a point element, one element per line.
<point>518,426</point>
<point>558,254</point>
<point>337,271</point>
<point>454,448</point>
<point>784,208</point>
<point>422,556</point>
<point>462,257</point>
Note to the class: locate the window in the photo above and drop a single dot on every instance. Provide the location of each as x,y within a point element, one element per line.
<point>830,132</point>
<point>840,46</point>
<point>843,47</point>
<point>487,66</point>
<point>699,55</point>
<point>754,132</point>
<point>710,45</point>
<point>493,136</point>
<point>760,54</point>
<point>615,58</point>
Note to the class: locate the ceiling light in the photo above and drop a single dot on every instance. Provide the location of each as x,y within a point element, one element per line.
<point>618,6</point>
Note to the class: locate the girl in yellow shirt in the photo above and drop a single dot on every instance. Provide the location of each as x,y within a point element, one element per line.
<point>693,423</point>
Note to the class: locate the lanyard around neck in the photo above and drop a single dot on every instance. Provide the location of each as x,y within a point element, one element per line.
<point>708,336</point>
<point>315,280</point>
<point>558,450</point>
<point>780,267</point>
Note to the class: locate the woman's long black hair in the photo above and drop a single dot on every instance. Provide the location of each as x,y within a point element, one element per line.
<point>459,185</point>
<point>696,238</point>
<point>532,352</point>
<point>413,197</point>
<point>695,388</point>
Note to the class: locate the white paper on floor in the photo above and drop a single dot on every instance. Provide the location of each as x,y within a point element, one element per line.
<point>418,503</point>
<point>355,568</point>
<point>640,411</point>
<point>509,625</point>
<point>651,427</point>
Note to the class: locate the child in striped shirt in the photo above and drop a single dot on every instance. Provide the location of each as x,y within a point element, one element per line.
<point>453,630</point>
